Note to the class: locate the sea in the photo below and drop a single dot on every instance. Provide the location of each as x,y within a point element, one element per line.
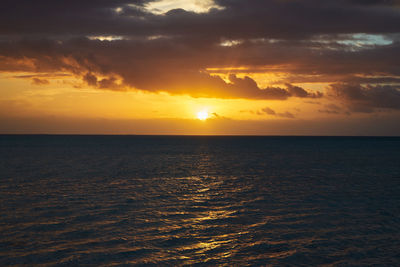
<point>83,200</point>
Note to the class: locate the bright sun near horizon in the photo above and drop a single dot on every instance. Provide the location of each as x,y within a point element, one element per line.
<point>202,115</point>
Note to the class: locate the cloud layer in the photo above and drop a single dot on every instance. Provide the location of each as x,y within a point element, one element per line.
<point>122,44</point>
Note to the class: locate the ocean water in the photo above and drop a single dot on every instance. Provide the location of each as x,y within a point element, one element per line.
<point>148,200</point>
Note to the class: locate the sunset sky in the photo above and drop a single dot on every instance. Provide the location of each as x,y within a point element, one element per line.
<point>278,67</point>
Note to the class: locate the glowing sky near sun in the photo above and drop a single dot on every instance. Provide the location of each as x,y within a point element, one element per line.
<point>163,6</point>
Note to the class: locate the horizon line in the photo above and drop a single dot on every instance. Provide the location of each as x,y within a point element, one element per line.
<point>188,135</point>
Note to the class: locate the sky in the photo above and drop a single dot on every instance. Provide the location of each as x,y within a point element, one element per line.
<point>225,67</point>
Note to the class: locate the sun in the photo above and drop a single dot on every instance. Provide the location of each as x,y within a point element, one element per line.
<point>202,115</point>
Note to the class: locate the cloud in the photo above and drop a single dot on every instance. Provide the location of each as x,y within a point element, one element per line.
<point>333,109</point>
<point>216,116</point>
<point>310,41</point>
<point>300,92</point>
<point>90,79</point>
<point>42,75</point>
<point>366,99</point>
<point>109,83</point>
<point>37,81</point>
<point>270,111</point>
<point>286,115</point>
<point>271,19</point>
<point>151,65</point>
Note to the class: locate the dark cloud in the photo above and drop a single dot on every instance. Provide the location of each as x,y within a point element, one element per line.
<point>235,19</point>
<point>286,115</point>
<point>37,81</point>
<point>90,79</point>
<point>109,83</point>
<point>333,109</point>
<point>157,65</point>
<point>374,2</point>
<point>366,99</point>
<point>42,75</point>
<point>268,111</point>
<point>300,92</point>
<point>216,116</point>
<point>272,112</point>
<point>309,40</point>
<point>328,111</point>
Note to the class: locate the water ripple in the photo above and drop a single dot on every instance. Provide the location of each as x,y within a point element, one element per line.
<point>201,201</point>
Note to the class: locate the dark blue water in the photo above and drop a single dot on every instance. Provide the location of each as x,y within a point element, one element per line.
<point>125,200</point>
